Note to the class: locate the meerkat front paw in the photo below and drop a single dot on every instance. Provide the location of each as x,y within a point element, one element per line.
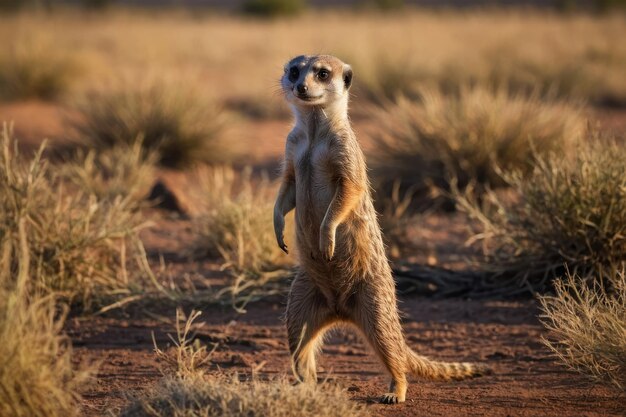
<point>327,243</point>
<point>279,227</point>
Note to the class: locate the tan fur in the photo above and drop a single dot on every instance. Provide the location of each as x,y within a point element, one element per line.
<point>344,275</point>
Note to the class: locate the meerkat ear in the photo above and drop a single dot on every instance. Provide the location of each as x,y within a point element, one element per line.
<point>347,76</point>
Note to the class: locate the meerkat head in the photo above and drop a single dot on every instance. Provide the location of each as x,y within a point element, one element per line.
<point>316,80</point>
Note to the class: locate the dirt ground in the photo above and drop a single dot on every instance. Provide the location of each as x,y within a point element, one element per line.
<point>505,335</point>
<point>527,380</point>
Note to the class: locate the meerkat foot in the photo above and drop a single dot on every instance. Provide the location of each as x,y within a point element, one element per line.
<point>391,398</point>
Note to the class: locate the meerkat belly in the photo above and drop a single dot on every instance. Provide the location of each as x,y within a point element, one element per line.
<point>314,193</point>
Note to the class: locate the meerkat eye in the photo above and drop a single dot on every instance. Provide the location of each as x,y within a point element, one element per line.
<point>323,74</point>
<point>294,72</point>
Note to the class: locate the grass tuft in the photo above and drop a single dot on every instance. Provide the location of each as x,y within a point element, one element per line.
<point>469,138</point>
<point>396,218</point>
<point>126,172</point>
<point>565,213</point>
<point>235,225</point>
<point>83,244</point>
<point>190,392</point>
<point>220,396</point>
<point>180,127</point>
<point>273,8</point>
<point>35,69</point>
<point>588,328</point>
<point>36,373</point>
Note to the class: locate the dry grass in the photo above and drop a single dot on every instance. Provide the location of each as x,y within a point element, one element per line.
<point>573,54</point>
<point>469,138</point>
<point>228,397</point>
<point>395,219</point>
<point>34,68</point>
<point>176,125</point>
<point>190,392</point>
<point>125,171</point>
<point>83,245</point>
<point>588,328</point>
<point>273,8</point>
<point>36,373</point>
<point>567,213</point>
<point>234,224</point>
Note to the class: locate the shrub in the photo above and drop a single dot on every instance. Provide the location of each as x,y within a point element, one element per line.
<point>35,69</point>
<point>385,4</point>
<point>125,171</point>
<point>469,138</point>
<point>385,78</point>
<point>235,224</point>
<point>273,8</point>
<point>588,328</point>
<point>36,373</point>
<point>395,221</point>
<point>602,6</point>
<point>81,243</point>
<point>96,4</point>
<point>568,212</point>
<point>10,4</point>
<point>206,397</point>
<point>192,393</point>
<point>177,125</point>
<point>566,80</point>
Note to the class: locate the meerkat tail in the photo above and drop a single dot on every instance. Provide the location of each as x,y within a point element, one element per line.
<point>443,371</point>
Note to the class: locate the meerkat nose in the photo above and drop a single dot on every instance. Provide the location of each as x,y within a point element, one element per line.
<point>302,88</point>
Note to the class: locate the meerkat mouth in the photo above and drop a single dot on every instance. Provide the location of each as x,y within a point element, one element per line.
<point>308,98</point>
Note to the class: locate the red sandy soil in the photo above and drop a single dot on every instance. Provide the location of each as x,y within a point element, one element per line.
<point>506,335</point>
<point>527,380</point>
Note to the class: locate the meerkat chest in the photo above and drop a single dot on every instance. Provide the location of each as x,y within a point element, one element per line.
<point>314,186</point>
<point>312,162</point>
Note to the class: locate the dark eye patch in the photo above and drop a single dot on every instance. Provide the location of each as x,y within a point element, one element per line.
<point>294,73</point>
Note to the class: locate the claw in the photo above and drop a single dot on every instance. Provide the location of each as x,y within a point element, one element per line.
<point>389,398</point>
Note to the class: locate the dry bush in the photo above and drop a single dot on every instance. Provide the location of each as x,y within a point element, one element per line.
<point>177,125</point>
<point>10,4</point>
<point>190,392</point>
<point>36,373</point>
<point>385,4</point>
<point>34,68</point>
<point>221,396</point>
<point>567,213</point>
<point>563,80</point>
<point>124,171</point>
<point>84,245</point>
<point>469,137</point>
<point>189,357</point>
<point>386,78</point>
<point>273,8</point>
<point>235,224</point>
<point>588,328</point>
<point>395,218</point>
<point>259,107</point>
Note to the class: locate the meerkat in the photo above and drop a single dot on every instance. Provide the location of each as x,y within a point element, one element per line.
<point>344,275</point>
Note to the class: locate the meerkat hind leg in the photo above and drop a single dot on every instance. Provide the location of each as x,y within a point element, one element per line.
<point>308,318</point>
<point>382,329</point>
